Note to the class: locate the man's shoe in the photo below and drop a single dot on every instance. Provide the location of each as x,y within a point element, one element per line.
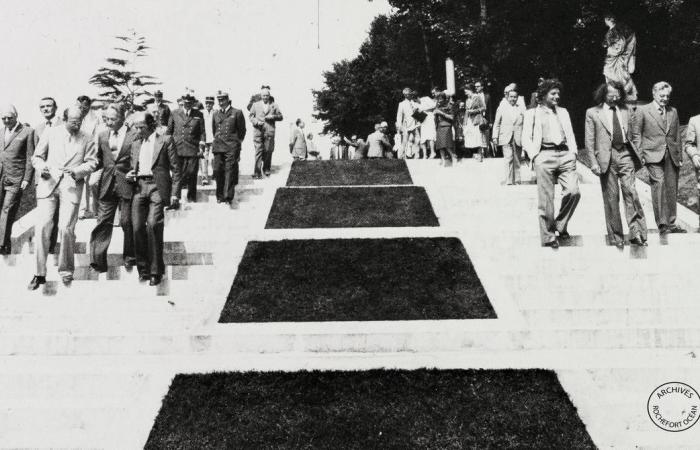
<point>553,244</point>
<point>129,264</point>
<point>267,174</point>
<point>97,268</point>
<point>155,280</point>
<point>637,240</point>
<point>257,177</point>
<point>620,245</point>
<point>36,282</point>
<point>205,182</point>
<point>5,250</point>
<point>67,280</point>
<point>676,229</point>
<point>564,235</point>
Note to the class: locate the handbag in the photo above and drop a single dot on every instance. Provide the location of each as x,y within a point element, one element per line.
<point>419,115</point>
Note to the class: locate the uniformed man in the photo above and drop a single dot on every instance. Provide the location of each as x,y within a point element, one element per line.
<point>187,129</point>
<point>159,110</point>
<point>229,131</point>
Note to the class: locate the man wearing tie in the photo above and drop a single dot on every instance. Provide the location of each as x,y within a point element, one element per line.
<point>114,157</point>
<point>229,131</point>
<point>614,159</point>
<point>16,149</point>
<point>263,115</point>
<point>187,129</point>
<point>549,138</point>
<point>656,133</point>
<point>153,158</point>
<point>48,108</point>
<point>64,157</point>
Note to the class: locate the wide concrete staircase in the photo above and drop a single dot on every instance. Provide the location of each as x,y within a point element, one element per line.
<point>87,366</point>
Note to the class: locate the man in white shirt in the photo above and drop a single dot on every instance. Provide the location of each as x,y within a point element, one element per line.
<point>614,158</point>
<point>153,159</point>
<point>208,114</point>
<point>549,139</point>
<point>507,131</point>
<point>91,126</point>
<point>63,158</point>
<point>407,125</point>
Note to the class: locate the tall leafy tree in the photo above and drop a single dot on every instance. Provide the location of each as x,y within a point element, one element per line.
<point>119,80</point>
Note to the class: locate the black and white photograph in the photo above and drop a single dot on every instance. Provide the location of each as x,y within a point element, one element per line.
<point>350,224</point>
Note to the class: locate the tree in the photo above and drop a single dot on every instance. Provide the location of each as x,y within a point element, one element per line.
<point>119,80</point>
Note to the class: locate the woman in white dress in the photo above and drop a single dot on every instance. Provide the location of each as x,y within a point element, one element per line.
<point>428,133</point>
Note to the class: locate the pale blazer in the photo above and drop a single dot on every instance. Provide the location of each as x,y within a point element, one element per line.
<point>691,137</point>
<point>652,138</point>
<point>257,118</point>
<point>508,125</point>
<point>55,152</point>
<point>599,135</point>
<point>532,130</point>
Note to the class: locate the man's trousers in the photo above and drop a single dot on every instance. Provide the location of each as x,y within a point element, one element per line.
<point>553,166</point>
<point>620,176</point>
<point>663,178</point>
<point>225,166</point>
<point>102,234</point>
<point>10,197</point>
<point>67,218</point>
<point>190,168</point>
<point>148,222</point>
<point>264,146</point>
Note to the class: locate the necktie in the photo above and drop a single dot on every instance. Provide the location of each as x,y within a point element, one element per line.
<point>617,139</point>
<point>664,119</point>
<point>48,124</point>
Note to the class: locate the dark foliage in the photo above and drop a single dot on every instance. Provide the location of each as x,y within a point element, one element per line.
<point>332,207</point>
<point>377,409</point>
<point>504,41</point>
<point>356,279</point>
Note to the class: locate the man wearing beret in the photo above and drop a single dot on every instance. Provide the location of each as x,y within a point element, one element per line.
<point>186,126</point>
<point>229,131</point>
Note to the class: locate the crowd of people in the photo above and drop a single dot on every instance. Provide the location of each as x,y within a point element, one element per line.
<point>135,160</point>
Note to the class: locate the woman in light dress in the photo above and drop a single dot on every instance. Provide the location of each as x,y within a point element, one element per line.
<point>474,137</point>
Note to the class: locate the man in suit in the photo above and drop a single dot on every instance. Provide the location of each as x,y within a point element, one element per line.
<point>16,149</point>
<point>507,132</point>
<point>656,133</point>
<point>47,107</point>
<point>114,157</point>
<point>229,131</point>
<point>187,129</point>
<point>90,126</point>
<point>407,125</point>
<point>692,141</point>
<point>378,143</point>
<point>614,158</point>
<point>548,138</point>
<point>208,114</point>
<point>264,114</point>
<point>63,158</point>
<point>153,159</point>
<point>297,142</point>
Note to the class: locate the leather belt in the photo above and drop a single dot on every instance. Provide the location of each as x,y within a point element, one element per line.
<point>556,148</point>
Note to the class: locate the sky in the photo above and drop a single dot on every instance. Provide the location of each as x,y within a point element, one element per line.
<point>52,47</point>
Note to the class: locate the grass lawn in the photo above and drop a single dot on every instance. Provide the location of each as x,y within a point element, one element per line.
<point>336,207</point>
<point>350,172</point>
<point>356,279</point>
<point>377,409</point>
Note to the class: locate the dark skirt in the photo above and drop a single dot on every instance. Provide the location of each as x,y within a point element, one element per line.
<point>444,138</point>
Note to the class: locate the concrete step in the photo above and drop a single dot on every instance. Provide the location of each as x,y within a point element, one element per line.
<point>599,318</point>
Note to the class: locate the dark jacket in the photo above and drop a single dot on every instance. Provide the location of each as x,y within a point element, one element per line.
<point>187,132</point>
<point>114,170</point>
<point>229,131</point>
<point>165,161</point>
<point>16,156</point>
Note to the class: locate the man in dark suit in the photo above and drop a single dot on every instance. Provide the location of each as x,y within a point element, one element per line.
<point>153,158</point>
<point>114,157</point>
<point>614,159</point>
<point>16,150</point>
<point>656,133</point>
<point>229,131</point>
<point>187,129</point>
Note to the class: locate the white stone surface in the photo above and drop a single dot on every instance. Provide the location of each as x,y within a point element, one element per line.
<point>88,366</point>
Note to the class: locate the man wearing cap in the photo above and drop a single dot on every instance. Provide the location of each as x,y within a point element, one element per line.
<point>208,114</point>
<point>378,142</point>
<point>229,131</point>
<point>16,149</point>
<point>159,109</point>
<point>187,129</point>
<point>264,114</point>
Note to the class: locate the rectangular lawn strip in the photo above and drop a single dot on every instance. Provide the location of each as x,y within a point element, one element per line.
<point>377,409</point>
<point>352,172</point>
<point>357,280</point>
<point>334,207</point>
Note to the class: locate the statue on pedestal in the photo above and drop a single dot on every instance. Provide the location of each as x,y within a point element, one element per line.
<point>621,44</point>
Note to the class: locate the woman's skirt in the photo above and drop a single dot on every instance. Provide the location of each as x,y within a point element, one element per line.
<point>473,136</point>
<point>428,131</point>
<point>444,138</point>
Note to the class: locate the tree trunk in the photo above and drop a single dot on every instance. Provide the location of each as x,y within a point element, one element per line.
<point>426,53</point>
